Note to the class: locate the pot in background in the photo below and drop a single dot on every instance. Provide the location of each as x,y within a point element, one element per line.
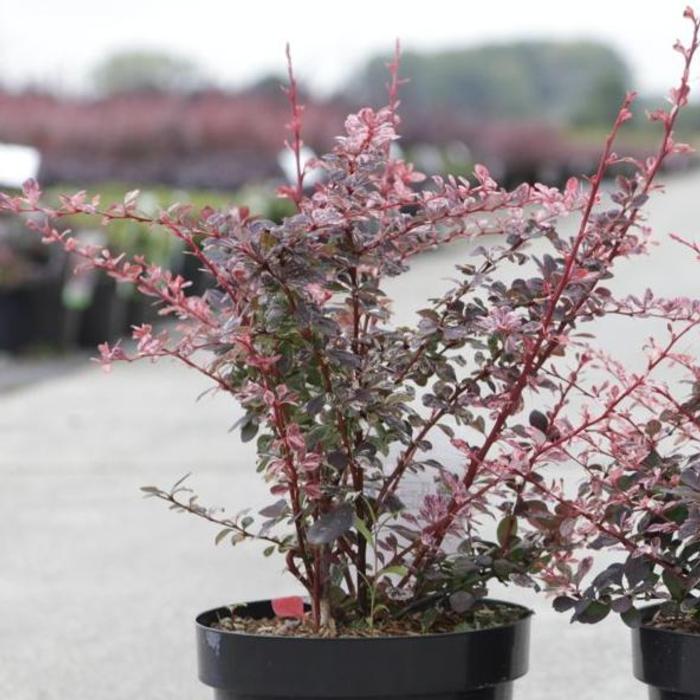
<point>104,319</point>
<point>16,321</point>
<point>666,660</point>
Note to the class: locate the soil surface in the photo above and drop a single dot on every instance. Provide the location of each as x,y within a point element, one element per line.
<point>481,617</point>
<point>690,624</point>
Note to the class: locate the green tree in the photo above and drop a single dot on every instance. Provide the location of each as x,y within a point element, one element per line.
<point>146,71</point>
<point>573,82</point>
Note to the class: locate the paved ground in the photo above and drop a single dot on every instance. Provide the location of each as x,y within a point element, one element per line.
<point>17,373</point>
<point>99,588</point>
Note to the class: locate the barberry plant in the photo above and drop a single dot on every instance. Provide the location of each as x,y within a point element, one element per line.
<point>640,494</point>
<point>344,404</point>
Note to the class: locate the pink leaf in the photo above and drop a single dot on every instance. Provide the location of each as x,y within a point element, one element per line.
<point>293,606</point>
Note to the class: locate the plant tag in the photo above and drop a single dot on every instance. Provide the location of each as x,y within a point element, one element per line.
<point>293,606</point>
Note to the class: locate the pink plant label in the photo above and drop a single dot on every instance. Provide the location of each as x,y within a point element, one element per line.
<point>292,606</point>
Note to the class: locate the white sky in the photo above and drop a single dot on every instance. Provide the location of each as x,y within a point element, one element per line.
<point>58,41</point>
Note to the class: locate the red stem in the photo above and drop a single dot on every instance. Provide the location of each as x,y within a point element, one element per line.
<point>295,129</point>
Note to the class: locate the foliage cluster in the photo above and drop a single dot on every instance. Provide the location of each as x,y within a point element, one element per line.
<point>344,404</point>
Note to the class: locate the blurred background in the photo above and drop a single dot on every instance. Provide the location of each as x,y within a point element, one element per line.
<point>190,107</point>
<point>183,101</point>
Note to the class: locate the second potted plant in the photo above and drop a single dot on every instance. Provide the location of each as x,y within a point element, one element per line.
<point>638,443</point>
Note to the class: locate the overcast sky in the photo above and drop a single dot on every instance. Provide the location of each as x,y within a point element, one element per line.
<point>58,41</point>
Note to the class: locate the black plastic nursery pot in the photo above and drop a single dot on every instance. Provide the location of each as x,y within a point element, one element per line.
<point>16,322</point>
<point>475,665</point>
<point>105,317</point>
<point>666,660</point>
<point>31,314</point>
<point>191,271</point>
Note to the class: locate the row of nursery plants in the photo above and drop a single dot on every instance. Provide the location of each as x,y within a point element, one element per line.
<point>345,406</point>
<point>209,140</point>
<point>222,141</point>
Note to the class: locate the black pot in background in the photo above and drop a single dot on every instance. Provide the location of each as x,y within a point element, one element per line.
<point>105,317</point>
<point>16,322</point>
<point>479,665</point>
<point>138,312</point>
<point>191,269</point>
<point>31,314</point>
<point>48,310</point>
<point>667,661</point>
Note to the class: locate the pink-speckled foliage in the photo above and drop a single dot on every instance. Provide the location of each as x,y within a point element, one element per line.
<point>344,403</point>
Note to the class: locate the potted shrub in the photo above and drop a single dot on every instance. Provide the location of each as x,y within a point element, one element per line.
<point>641,496</point>
<point>641,488</point>
<point>345,405</point>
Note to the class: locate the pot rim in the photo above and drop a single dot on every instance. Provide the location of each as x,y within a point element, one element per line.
<point>647,611</point>
<point>528,614</point>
